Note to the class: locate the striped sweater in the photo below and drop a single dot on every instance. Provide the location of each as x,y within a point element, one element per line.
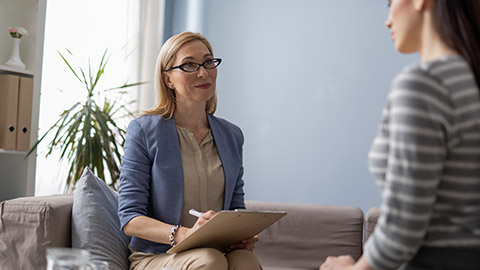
<point>426,161</point>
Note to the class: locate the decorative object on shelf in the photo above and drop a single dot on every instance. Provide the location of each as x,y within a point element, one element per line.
<point>89,133</point>
<point>16,33</point>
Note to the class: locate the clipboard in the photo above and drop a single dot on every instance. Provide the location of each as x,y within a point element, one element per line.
<point>228,227</point>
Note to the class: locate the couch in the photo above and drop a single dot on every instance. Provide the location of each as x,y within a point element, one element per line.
<point>300,240</point>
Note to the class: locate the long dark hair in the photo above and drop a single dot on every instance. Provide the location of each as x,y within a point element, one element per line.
<point>458,22</point>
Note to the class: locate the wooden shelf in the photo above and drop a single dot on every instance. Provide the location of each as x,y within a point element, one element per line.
<point>18,172</point>
<point>3,151</point>
<point>16,70</point>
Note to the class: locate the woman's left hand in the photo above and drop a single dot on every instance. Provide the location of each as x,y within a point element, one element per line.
<point>244,244</point>
<point>341,262</point>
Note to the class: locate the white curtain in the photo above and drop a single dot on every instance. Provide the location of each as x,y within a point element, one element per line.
<point>133,32</point>
<point>151,40</point>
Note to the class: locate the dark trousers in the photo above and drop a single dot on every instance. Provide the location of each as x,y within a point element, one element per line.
<point>444,259</point>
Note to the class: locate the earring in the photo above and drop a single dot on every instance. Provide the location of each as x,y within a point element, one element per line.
<point>171,86</point>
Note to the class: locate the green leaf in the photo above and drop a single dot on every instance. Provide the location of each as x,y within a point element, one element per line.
<point>87,134</point>
<point>68,64</point>
<point>125,86</point>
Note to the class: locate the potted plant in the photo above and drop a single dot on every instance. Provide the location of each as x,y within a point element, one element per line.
<point>88,133</point>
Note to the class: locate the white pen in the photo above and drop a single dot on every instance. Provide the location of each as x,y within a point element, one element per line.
<point>195,213</point>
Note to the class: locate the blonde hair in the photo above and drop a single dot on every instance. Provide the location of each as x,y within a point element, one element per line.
<point>166,102</point>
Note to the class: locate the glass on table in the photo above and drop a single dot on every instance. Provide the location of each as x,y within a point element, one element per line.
<point>99,265</point>
<point>72,259</point>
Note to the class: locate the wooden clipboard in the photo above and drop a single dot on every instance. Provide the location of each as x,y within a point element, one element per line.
<point>228,227</point>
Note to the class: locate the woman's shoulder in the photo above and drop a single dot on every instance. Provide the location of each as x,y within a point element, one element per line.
<point>226,127</point>
<point>145,118</point>
<point>436,77</point>
<point>224,124</point>
<point>150,121</point>
<point>438,70</point>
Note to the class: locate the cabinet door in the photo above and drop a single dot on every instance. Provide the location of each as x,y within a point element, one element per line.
<point>24,116</point>
<point>8,110</point>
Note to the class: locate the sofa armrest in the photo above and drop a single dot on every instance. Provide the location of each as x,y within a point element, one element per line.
<point>308,234</point>
<point>371,219</point>
<point>29,225</point>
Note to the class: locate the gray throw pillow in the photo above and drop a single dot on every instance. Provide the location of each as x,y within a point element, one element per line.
<point>95,224</point>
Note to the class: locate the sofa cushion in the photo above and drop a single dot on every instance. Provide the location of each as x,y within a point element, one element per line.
<point>95,224</point>
<point>371,219</point>
<point>29,225</point>
<point>308,234</point>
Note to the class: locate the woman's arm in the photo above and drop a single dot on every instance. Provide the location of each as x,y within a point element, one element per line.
<point>346,263</point>
<point>238,196</point>
<point>414,140</point>
<point>148,228</point>
<point>135,176</point>
<point>156,231</point>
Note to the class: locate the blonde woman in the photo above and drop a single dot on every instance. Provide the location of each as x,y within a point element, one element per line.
<point>180,156</point>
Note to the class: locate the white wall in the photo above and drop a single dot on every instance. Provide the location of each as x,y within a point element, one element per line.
<point>306,80</point>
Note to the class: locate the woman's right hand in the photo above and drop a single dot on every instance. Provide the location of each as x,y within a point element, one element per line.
<point>184,232</point>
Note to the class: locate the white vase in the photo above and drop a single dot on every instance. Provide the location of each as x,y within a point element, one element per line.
<point>15,60</point>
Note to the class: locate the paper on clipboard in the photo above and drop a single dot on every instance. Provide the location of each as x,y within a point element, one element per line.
<point>228,227</point>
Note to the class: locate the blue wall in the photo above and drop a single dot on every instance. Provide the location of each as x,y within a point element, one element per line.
<point>306,81</point>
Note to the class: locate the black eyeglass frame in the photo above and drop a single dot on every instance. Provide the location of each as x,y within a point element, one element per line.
<point>217,62</point>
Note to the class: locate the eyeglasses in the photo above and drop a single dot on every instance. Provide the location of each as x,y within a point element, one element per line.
<point>192,67</point>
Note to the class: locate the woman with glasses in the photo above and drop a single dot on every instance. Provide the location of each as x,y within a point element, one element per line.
<point>179,156</point>
<point>426,156</point>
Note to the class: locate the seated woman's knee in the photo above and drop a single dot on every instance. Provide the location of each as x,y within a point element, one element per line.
<point>242,259</point>
<point>212,259</point>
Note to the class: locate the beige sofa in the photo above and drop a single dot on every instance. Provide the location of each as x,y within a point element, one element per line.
<point>300,240</point>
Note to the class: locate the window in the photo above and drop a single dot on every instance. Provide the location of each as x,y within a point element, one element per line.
<point>86,28</point>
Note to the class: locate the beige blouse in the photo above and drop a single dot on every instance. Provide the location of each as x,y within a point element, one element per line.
<point>204,181</point>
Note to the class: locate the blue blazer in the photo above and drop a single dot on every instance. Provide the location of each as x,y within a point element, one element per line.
<point>151,173</point>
